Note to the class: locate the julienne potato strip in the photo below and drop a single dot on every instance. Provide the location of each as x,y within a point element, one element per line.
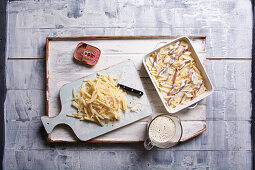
<point>175,74</point>
<point>100,100</point>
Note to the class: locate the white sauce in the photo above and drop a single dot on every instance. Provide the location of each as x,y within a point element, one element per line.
<point>162,129</point>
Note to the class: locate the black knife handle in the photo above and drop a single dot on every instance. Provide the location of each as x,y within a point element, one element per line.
<point>140,93</point>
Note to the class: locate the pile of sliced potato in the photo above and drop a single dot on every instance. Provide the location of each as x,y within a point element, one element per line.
<point>100,100</point>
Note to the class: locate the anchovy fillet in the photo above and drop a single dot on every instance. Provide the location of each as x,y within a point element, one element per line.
<point>192,77</point>
<point>183,97</point>
<point>155,62</point>
<point>175,74</point>
<point>171,51</point>
<point>172,60</point>
<point>163,71</point>
<point>190,71</point>
<point>198,88</point>
<point>172,90</point>
<point>170,99</point>
<point>185,62</point>
<point>183,83</point>
<point>175,47</point>
<point>182,52</point>
<point>164,82</point>
<point>167,67</point>
<point>163,58</point>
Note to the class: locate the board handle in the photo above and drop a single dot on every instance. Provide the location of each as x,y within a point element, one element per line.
<point>49,123</point>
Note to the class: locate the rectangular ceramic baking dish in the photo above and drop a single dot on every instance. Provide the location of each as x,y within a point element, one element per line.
<point>208,83</point>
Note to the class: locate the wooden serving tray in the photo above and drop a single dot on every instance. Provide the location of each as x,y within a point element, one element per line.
<point>61,69</point>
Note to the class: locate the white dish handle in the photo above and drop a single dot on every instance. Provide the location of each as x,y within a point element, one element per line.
<point>158,44</point>
<point>193,106</point>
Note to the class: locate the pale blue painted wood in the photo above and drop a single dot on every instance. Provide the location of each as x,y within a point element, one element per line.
<point>127,159</point>
<point>227,24</point>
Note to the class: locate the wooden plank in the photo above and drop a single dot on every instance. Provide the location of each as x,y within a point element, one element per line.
<point>29,43</point>
<point>253,87</point>
<point>222,42</point>
<point>31,25</point>
<point>134,159</point>
<point>133,133</point>
<point>37,14</point>
<point>36,159</point>
<point>3,38</point>
<point>25,106</point>
<point>104,62</point>
<point>231,79</point>
<point>229,105</point>
<point>34,41</point>
<point>171,160</point>
<point>25,74</point>
<point>235,136</point>
<point>230,74</point>
<point>229,59</point>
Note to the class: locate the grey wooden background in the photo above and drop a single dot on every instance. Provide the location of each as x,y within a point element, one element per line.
<point>2,74</point>
<point>228,26</point>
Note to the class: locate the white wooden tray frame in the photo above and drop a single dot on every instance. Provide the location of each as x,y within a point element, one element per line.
<point>60,69</point>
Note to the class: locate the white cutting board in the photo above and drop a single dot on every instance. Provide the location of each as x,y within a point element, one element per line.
<point>85,130</point>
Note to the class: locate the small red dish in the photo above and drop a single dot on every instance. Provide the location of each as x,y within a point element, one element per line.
<point>87,53</point>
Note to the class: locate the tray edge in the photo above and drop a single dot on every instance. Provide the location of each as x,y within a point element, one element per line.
<point>48,39</point>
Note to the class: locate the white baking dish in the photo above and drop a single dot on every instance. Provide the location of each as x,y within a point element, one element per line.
<point>208,83</point>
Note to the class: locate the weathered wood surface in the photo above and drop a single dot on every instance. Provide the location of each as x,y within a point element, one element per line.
<point>3,60</point>
<point>228,26</point>
<point>127,159</point>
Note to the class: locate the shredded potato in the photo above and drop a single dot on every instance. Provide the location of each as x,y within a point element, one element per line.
<point>175,74</point>
<point>100,100</point>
